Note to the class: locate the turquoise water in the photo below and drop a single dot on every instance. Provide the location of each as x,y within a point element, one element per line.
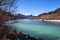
<point>37,28</point>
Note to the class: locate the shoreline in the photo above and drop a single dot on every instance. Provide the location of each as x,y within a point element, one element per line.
<point>52,20</point>
<point>57,21</point>
<point>11,34</point>
<point>47,20</point>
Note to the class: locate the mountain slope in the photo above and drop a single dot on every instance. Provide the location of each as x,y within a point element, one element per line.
<point>53,15</point>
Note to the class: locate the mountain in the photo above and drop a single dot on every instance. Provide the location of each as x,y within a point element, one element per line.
<point>52,15</point>
<point>24,16</point>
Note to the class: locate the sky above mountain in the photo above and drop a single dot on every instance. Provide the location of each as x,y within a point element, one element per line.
<point>36,7</point>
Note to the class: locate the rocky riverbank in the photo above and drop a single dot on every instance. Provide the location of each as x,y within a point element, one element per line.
<point>7,33</point>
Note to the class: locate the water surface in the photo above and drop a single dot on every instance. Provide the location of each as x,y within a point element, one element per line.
<point>37,28</point>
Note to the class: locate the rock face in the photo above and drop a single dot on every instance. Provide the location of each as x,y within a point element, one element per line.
<point>53,15</point>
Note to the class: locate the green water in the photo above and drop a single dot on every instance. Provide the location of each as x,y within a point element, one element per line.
<point>36,28</point>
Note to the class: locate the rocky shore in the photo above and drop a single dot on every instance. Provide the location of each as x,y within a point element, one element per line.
<point>7,33</point>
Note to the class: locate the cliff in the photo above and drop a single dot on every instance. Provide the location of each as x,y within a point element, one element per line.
<point>52,15</point>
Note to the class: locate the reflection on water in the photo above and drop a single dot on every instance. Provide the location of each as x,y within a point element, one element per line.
<point>36,28</point>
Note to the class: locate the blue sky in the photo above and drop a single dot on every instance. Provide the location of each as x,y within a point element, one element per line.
<point>36,7</point>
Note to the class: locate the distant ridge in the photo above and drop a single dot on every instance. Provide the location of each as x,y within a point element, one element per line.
<point>24,16</point>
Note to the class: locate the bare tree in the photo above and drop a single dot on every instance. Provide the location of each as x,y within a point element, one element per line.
<point>7,5</point>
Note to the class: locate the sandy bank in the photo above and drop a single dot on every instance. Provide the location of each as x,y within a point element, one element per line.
<point>53,20</point>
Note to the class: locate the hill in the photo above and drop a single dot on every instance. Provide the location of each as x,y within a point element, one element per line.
<point>52,15</point>
<point>5,16</point>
